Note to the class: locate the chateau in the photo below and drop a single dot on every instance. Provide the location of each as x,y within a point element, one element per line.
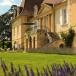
<point>38,22</point>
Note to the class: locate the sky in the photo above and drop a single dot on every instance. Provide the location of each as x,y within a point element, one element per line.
<point>6,4</point>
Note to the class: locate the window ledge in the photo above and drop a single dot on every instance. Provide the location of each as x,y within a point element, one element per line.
<point>64,25</point>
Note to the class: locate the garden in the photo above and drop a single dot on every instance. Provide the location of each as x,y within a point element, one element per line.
<point>37,64</point>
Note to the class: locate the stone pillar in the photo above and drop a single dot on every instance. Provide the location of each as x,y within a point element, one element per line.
<point>40,23</point>
<point>52,22</point>
<point>69,13</point>
<point>36,42</point>
<point>43,23</point>
<point>13,33</point>
<point>49,23</point>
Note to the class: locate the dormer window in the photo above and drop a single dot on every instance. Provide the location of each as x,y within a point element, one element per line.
<point>35,10</point>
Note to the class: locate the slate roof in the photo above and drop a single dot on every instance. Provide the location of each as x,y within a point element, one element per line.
<point>28,8</point>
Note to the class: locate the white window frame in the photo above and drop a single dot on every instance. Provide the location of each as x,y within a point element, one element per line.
<point>62,14</point>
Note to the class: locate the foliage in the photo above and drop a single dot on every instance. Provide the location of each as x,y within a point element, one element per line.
<point>5,24</point>
<point>2,25</point>
<point>6,45</point>
<point>68,37</point>
<point>0,44</point>
<point>55,70</point>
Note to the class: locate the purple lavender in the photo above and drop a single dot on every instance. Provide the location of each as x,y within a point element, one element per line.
<point>38,72</point>
<point>45,72</point>
<point>4,67</point>
<point>55,70</point>
<point>12,68</point>
<point>32,72</point>
<point>16,73</point>
<point>19,70</point>
<point>26,69</point>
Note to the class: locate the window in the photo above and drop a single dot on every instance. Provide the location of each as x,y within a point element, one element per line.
<point>57,17</point>
<point>46,22</point>
<point>63,16</point>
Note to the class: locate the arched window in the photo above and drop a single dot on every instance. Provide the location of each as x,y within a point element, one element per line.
<point>30,42</point>
<point>26,43</point>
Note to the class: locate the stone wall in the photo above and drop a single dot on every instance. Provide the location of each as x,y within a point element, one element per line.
<point>18,31</point>
<point>42,38</point>
<point>74,42</point>
<point>63,51</point>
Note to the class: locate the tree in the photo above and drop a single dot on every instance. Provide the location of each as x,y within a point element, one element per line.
<point>5,22</point>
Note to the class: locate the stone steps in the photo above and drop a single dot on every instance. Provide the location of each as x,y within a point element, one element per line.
<point>54,40</point>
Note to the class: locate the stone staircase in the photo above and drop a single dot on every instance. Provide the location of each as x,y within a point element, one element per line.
<point>52,37</point>
<point>54,40</point>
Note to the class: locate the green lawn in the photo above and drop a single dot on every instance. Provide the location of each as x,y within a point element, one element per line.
<point>35,59</point>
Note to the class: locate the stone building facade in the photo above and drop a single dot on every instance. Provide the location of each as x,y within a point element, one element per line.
<point>40,21</point>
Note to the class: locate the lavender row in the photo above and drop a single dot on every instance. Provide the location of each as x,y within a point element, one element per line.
<point>54,70</point>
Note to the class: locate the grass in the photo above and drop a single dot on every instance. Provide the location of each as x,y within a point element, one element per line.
<point>35,59</point>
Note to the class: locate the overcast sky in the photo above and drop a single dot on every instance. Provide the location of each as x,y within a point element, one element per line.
<point>6,4</point>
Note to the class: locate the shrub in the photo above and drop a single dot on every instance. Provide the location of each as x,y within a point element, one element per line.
<point>68,37</point>
<point>5,44</point>
<point>0,44</point>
